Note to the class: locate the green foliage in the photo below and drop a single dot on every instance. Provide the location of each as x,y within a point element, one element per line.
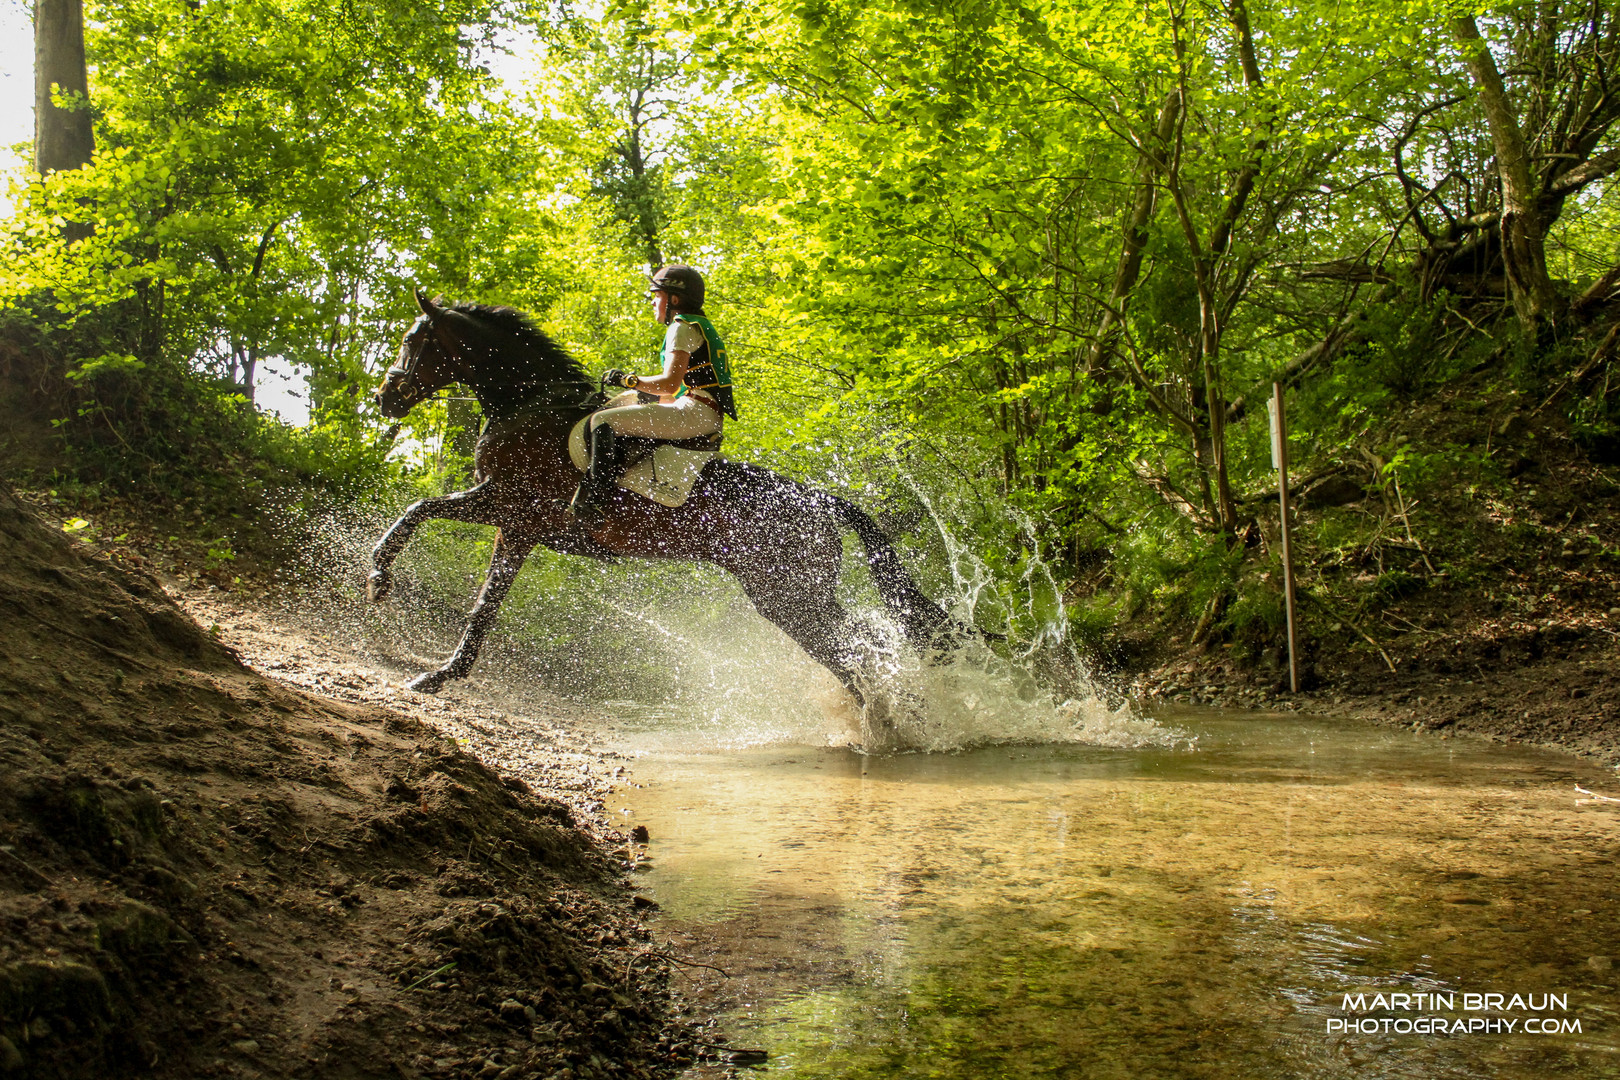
<point>1403,356</point>
<point>107,364</point>
<point>1391,586</point>
<point>270,179</point>
<point>953,256</point>
<point>1258,618</point>
<point>1595,423</point>
<point>221,553</point>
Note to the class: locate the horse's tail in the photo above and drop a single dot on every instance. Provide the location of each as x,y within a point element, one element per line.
<point>924,621</point>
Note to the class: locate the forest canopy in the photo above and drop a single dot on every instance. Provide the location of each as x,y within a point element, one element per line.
<point>1054,252</point>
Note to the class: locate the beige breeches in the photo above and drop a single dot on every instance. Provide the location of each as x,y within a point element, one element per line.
<point>684,418</point>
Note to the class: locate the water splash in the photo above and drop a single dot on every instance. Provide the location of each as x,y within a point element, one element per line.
<point>736,681</point>
<point>1032,685</point>
<point>678,656</point>
<point>975,696</point>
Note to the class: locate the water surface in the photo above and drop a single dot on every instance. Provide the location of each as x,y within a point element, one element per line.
<point>1075,911</point>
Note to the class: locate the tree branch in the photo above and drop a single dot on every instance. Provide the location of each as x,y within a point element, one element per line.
<point>1585,173</point>
<point>1136,235</point>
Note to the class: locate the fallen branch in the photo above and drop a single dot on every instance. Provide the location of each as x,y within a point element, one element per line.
<point>1586,369</point>
<point>1597,293</point>
<point>1402,507</point>
<point>10,852</point>
<point>1408,622</point>
<point>734,1055</point>
<point>678,960</point>
<point>1351,623</point>
<point>436,971</point>
<point>1344,333</point>
<point>1595,797</point>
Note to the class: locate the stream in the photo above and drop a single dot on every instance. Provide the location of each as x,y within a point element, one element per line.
<point>1061,886</point>
<point>1230,906</point>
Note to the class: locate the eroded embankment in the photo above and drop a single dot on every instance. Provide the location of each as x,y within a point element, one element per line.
<point>1542,686</point>
<point>1495,612</point>
<point>203,872</point>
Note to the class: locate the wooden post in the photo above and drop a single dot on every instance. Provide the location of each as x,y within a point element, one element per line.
<point>1279,460</point>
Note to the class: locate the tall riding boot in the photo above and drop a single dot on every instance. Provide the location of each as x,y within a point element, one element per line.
<point>607,462</point>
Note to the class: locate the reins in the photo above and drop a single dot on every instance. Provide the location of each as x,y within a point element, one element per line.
<point>590,401</point>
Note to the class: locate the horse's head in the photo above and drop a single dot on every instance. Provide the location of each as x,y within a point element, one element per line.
<point>427,361</point>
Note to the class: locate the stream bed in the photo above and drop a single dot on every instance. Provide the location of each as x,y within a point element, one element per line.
<point>1233,908</point>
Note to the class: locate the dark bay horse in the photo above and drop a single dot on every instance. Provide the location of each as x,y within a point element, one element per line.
<point>779,538</point>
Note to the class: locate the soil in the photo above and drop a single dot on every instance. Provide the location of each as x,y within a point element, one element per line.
<point>207,872</point>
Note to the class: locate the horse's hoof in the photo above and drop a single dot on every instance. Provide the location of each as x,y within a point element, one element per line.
<point>378,583</point>
<point>429,682</point>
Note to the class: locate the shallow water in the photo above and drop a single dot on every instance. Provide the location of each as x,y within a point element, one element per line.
<point>1069,911</point>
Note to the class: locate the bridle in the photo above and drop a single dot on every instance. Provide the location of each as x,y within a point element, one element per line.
<point>405,377</point>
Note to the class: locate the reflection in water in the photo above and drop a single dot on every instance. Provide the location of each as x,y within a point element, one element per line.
<point>1080,911</point>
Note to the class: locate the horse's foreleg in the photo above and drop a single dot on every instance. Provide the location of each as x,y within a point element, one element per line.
<point>508,558</point>
<point>475,504</point>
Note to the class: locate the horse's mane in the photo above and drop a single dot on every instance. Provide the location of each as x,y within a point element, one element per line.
<point>510,331</point>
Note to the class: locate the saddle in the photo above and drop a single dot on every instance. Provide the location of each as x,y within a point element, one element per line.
<point>663,470</point>
<point>707,444</point>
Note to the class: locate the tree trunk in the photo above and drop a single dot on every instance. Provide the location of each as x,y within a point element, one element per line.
<point>641,211</point>
<point>1210,441</point>
<point>1153,163</point>
<point>62,136</point>
<point>1524,230</point>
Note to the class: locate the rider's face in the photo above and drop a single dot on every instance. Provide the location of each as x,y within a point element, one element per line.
<point>660,301</point>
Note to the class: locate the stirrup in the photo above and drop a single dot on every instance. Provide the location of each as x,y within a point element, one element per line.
<point>584,515</point>
<point>585,519</point>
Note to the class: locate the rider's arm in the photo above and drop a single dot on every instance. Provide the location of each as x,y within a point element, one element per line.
<point>679,342</point>
<point>670,381</point>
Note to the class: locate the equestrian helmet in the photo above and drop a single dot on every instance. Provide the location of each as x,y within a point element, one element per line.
<point>681,281</point>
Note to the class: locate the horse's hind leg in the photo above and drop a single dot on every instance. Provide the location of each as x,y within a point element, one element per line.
<point>508,558</point>
<point>813,618</point>
<point>476,504</point>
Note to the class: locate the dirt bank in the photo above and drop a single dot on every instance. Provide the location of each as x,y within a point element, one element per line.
<point>1566,698</point>
<point>204,872</point>
<point>1490,607</point>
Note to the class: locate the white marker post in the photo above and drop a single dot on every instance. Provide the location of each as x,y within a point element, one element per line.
<point>1279,461</point>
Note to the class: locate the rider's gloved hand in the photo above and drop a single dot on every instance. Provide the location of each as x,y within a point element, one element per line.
<point>615,377</point>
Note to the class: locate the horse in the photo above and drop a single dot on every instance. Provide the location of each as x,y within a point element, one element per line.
<point>781,539</point>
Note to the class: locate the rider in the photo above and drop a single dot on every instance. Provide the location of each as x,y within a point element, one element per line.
<point>694,391</point>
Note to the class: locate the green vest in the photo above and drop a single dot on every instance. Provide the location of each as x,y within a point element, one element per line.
<point>708,368</point>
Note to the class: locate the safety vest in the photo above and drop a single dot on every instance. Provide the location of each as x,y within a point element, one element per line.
<point>708,368</point>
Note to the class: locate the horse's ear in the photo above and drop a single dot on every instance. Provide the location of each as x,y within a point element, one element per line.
<point>429,308</point>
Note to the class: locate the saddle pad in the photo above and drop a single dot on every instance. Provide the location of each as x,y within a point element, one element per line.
<point>665,476</point>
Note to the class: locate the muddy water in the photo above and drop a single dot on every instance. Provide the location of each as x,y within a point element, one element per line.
<point>1072,911</point>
